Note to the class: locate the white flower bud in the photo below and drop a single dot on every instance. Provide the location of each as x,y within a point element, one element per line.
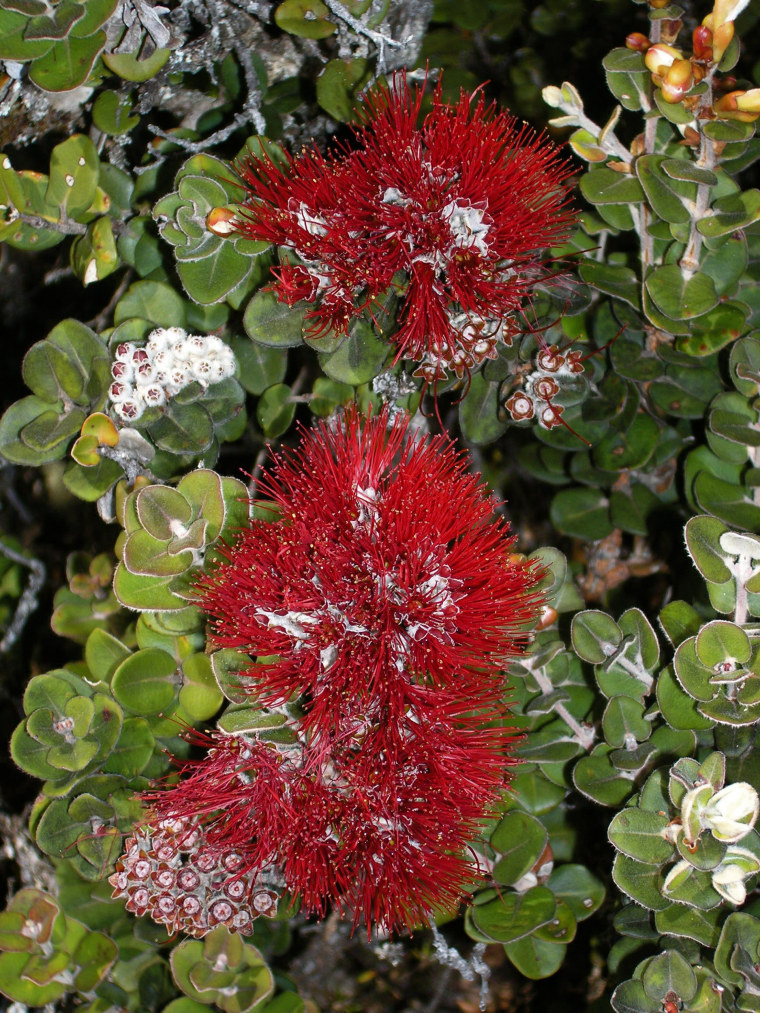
<point>122,370</point>
<point>732,812</point>
<point>728,880</point>
<point>154,395</point>
<point>196,347</point>
<point>201,371</point>
<point>120,391</point>
<point>129,411</point>
<point>124,351</point>
<point>162,337</point>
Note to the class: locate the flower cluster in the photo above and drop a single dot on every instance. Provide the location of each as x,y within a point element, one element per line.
<point>554,372</point>
<point>146,376</point>
<point>170,872</point>
<point>454,214</point>
<point>382,597</point>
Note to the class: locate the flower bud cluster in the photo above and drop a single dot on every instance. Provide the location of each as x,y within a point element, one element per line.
<point>541,387</point>
<point>147,376</point>
<point>172,873</point>
<point>476,339</point>
<point>675,73</point>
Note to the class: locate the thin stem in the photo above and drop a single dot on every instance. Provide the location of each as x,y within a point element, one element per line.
<point>28,601</point>
<point>583,734</point>
<point>65,226</point>
<point>380,40</point>
<point>707,159</point>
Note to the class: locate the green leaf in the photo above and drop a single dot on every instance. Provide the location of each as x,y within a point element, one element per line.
<point>259,366</point>
<point>212,278</point>
<point>306,18</point>
<point>270,322</point>
<point>595,636</point>
<point>132,67</point>
<point>667,973</point>
<point>729,502</point>
<point>275,410</point>
<point>151,300</point>
<point>581,513</point>
<point>623,722</point>
<point>730,213</point>
<point>614,279</point>
<point>630,997</point>
<point>605,186</point>
<point>639,834</point>
<point>520,840</point>
<point>720,640</point>
<point>338,86</point>
<point>68,63</point>
<point>578,888</point>
<point>146,682</point>
<point>536,958</point>
<point>479,411</point>
<point>679,298</point>
<point>663,192</point>
<point>640,881</point>
<point>628,78</point>
<point>112,113</point>
<point>689,923</point>
<point>598,779</point>
<point>74,171</point>
<point>513,915</point>
<point>184,429</point>
<point>359,358</point>
<point>702,536</point>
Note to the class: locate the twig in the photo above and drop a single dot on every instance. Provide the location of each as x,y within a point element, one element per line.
<point>65,226</point>
<point>28,601</point>
<point>196,147</point>
<point>380,40</point>
<point>252,106</point>
<point>99,321</point>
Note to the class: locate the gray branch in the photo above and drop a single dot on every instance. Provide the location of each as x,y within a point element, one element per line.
<point>28,601</point>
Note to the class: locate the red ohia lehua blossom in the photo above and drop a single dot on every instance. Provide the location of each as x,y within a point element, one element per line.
<point>382,598</point>
<point>463,206</point>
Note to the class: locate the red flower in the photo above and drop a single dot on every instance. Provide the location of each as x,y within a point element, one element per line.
<point>385,578</point>
<point>462,206</point>
<point>381,597</point>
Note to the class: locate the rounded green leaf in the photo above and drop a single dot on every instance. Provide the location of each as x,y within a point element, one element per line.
<point>146,682</point>
<point>582,513</point>
<point>640,835</point>
<point>578,888</point>
<point>536,958</point>
<point>595,636</point>
<point>270,322</point>
<point>520,840</point>
<point>275,410</point>
<point>515,915</point>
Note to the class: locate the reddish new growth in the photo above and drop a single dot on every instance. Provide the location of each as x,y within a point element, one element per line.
<point>454,214</point>
<point>382,597</point>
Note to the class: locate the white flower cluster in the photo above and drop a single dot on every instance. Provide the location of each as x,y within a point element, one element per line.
<point>146,376</point>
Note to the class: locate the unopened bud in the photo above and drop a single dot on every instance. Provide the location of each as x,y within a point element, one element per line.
<point>658,5</point>
<point>659,58</point>
<point>702,43</point>
<point>638,42</point>
<point>677,81</point>
<point>722,36</point>
<point>220,221</point>
<point>728,107</point>
<point>748,101</point>
<point>732,812</point>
